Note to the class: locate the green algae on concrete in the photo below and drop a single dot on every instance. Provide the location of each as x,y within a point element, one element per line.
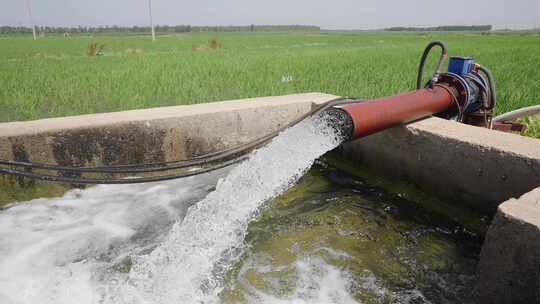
<point>472,220</point>
<point>14,189</point>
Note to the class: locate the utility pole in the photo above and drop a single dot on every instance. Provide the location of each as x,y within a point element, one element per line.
<point>30,17</point>
<point>151,21</point>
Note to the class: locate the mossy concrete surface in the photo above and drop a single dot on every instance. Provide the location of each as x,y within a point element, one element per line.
<point>142,136</point>
<point>475,166</point>
<point>14,190</point>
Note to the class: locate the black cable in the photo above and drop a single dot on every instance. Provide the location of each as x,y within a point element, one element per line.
<point>491,85</point>
<point>486,88</point>
<point>477,79</point>
<point>442,58</point>
<point>143,168</point>
<point>180,164</point>
<point>220,156</point>
<point>112,181</point>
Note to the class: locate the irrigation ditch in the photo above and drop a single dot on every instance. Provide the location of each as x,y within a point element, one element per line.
<point>469,166</point>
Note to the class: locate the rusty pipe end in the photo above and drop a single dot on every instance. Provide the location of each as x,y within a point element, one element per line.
<point>341,121</point>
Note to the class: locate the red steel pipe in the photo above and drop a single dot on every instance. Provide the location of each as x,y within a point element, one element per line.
<point>375,115</point>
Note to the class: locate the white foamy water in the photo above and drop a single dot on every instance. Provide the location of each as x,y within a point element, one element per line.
<point>312,278</point>
<point>53,250</point>
<point>154,243</point>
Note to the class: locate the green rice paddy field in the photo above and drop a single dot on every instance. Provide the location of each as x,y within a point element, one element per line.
<point>54,76</point>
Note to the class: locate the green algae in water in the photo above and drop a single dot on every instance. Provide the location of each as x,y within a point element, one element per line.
<point>14,189</point>
<point>387,249</point>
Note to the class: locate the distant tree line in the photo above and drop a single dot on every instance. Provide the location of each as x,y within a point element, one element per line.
<point>159,29</point>
<point>444,28</point>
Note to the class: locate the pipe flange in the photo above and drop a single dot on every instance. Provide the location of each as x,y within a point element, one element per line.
<point>459,84</point>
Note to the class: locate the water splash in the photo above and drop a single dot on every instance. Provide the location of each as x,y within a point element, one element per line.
<point>53,250</point>
<point>310,280</point>
<point>144,243</point>
<point>189,264</point>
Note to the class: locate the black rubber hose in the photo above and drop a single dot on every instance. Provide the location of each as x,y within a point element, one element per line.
<point>492,87</point>
<point>144,168</point>
<point>486,94</point>
<point>95,181</point>
<point>427,51</point>
<point>485,87</point>
<point>180,164</point>
<point>218,156</point>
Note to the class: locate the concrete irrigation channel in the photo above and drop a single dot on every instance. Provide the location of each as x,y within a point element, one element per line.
<point>475,167</point>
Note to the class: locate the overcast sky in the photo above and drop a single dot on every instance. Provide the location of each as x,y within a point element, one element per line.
<point>334,14</point>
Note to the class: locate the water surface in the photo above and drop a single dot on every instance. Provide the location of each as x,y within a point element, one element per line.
<point>335,238</point>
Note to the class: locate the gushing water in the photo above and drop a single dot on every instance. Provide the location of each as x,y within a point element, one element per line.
<point>155,243</point>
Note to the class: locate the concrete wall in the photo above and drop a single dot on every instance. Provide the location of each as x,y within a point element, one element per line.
<point>152,135</point>
<point>466,164</point>
<point>509,268</point>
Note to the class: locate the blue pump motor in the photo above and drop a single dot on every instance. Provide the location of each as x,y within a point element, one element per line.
<point>460,65</point>
<point>463,69</point>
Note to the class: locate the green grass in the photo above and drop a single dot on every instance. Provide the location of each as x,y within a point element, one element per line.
<point>534,126</point>
<point>53,76</point>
